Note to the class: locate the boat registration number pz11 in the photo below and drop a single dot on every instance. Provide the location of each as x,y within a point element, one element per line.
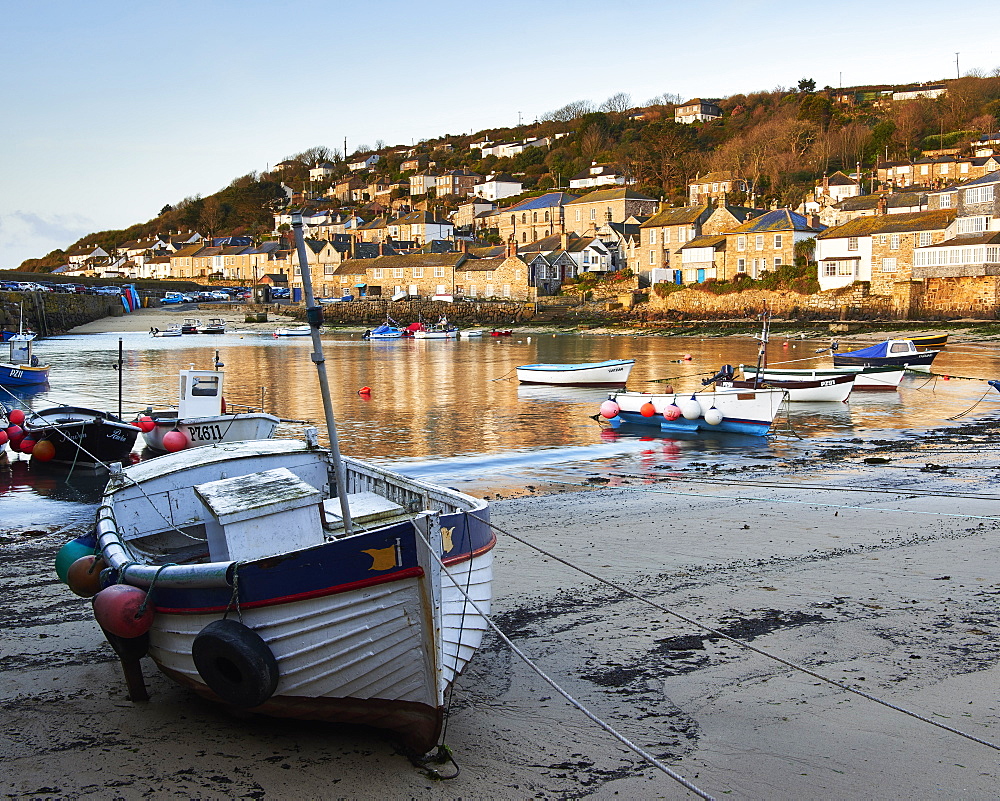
<point>205,433</point>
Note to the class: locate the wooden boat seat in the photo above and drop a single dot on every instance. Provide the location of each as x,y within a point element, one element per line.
<point>367,509</point>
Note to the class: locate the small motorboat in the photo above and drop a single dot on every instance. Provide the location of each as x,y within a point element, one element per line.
<point>930,341</point>
<point>832,389</point>
<point>172,330</point>
<point>215,325</point>
<point>748,411</point>
<point>390,329</point>
<point>472,333</point>
<point>22,368</point>
<point>506,332</point>
<point>81,437</point>
<point>437,332</point>
<point>610,373</point>
<point>891,353</point>
<point>202,418</point>
<point>190,325</point>
<point>294,331</point>
<point>864,377</point>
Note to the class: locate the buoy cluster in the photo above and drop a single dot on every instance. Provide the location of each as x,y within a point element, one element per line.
<point>689,409</point>
<point>20,442</point>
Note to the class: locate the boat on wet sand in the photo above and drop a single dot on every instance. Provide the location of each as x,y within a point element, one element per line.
<point>190,325</point>
<point>832,389</point>
<point>215,325</point>
<point>172,330</point>
<point>610,373</point>
<point>201,416</point>
<point>886,378</point>
<point>287,580</point>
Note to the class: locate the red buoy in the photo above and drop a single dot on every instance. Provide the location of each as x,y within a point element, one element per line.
<point>365,391</point>
<point>117,609</point>
<point>84,575</point>
<point>146,423</point>
<point>647,410</point>
<point>15,434</point>
<point>175,440</point>
<point>16,416</point>
<point>3,437</point>
<point>27,445</point>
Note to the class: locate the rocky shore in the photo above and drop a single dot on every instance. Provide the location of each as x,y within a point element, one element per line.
<point>892,591</point>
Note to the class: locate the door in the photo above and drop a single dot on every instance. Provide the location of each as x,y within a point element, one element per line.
<point>678,276</point>
<point>701,276</point>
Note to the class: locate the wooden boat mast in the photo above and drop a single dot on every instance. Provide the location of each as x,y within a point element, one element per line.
<point>762,352</point>
<point>314,316</point>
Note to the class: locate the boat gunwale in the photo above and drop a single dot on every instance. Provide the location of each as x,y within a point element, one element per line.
<point>567,368</point>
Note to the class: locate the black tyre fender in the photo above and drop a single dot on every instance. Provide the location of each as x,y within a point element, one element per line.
<point>236,663</point>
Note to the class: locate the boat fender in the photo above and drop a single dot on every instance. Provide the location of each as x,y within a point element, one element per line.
<point>123,610</point>
<point>672,412</point>
<point>647,409</point>
<point>44,451</point>
<point>609,409</point>
<point>175,440</point>
<point>16,416</point>
<point>223,404</point>
<point>713,416</point>
<point>81,546</point>
<point>691,409</point>
<point>235,663</point>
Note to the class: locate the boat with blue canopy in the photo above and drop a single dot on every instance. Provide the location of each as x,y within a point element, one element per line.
<point>891,353</point>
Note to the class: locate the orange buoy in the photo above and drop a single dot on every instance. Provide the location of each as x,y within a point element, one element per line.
<point>946,378</point>
<point>44,450</point>
<point>84,575</point>
<point>647,409</point>
<point>119,609</point>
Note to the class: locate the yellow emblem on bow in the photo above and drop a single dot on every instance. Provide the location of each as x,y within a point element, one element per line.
<point>446,538</point>
<point>382,558</point>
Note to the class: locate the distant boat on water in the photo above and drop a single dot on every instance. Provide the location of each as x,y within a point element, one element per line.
<point>610,373</point>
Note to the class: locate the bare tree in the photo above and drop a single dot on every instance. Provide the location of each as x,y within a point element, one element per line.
<point>618,103</point>
<point>569,112</point>
<point>380,144</point>
<point>313,155</point>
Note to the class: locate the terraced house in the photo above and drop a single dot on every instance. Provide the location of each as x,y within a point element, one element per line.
<point>534,218</point>
<point>766,242</point>
<point>585,215</point>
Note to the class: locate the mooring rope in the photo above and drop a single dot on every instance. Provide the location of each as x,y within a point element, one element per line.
<point>648,757</point>
<point>761,652</point>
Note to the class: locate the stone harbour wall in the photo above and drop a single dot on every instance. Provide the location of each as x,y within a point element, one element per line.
<point>947,298</point>
<point>55,312</point>
<point>370,313</point>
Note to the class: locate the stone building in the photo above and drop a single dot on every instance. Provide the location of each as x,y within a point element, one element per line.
<point>766,242</point>
<point>585,215</point>
<point>534,218</point>
<point>715,187</point>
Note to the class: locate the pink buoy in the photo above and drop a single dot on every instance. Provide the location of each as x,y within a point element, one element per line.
<point>146,423</point>
<point>3,437</point>
<point>16,416</point>
<point>647,410</point>
<point>686,357</point>
<point>672,412</point>
<point>609,409</point>
<point>174,441</point>
<point>119,609</point>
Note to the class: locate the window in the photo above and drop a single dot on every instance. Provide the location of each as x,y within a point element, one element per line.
<point>759,242</point>
<point>468,275</point>
<point>741,243</point>
<point>944,169</point>
<point>534,216</point>
<point>439,271</point>
<point>888,265</point>
<point>925,238</point>
<point>852,243</point>
<point>517,275</point>
<point>979,194</point>
<point>845,268</point>
<point>418,272</point>
<point>489,291</point>
<point>924,169</point>
<point>593,214</point>
<point>944,202</point>
<point>489,275</point>
<point>763,265</point>
<point>397,272</point>
<point>777,262</point>
<point>829,268</point>
<point>506,290</point>
<point>376,273</point>
<point>524,237</point>
<point>329,269</point>
<point>524,217</point>
<point>971,225</point>
<point>777,240</point>
<point>666,236</point>
<point>894,242</point>
<point>741,265</point>
<point>344,279</point>
<point>546,216</point>
<point>652,236</point>
<point>472,291</point>
<point>964,167</point>
<point>586,257</point>
<point>513,219</point>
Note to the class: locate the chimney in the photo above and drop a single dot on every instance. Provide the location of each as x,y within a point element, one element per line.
<point>883,205</point>
<point>564,241</point>
<point>511,248</point>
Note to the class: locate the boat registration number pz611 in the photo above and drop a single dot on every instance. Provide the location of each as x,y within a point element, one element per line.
<point>205,433</point>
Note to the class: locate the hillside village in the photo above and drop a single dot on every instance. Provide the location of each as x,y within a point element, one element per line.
<point>413,222</point>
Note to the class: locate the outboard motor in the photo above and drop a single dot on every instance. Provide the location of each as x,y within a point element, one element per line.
<point>726,373</point>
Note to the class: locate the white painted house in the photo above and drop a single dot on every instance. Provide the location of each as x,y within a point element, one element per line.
<point>365,162</point>
<point>499,186</point>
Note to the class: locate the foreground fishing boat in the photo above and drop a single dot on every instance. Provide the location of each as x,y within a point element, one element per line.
<point>280,577</point>
<point>22,369</point>
<point>833,389</point>
<point>610,373</point>
<point>201,417</point>
<point>864,377</point>
<point>81,437</point>
<point>745,412</point>
<point>359,626</point>
<point>900,353</point>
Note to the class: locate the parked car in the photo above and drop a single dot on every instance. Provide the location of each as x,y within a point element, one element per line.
<point>280,292</point>
<point>173,297</point>
<point>220,295</point>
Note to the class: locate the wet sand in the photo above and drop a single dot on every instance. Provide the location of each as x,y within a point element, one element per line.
<point>903,605</point>
<point>163,316</point>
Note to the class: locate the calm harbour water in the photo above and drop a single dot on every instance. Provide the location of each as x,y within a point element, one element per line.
<point>452,411</point>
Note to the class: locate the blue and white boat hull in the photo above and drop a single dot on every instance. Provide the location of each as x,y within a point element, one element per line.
<point>749,412</point>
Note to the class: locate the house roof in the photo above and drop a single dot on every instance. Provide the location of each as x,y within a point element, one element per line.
<point>704,242</point>
<point>840,179</point>
<point>895,200</point>
<point>502,178</point>
<point>548,200</point>
<point>418,218</point>
<point>419,260</point>
<point>892,224</point>
<point>483,265</point>
<point>679,215</point>
<point>984,238</point>
<point>597,170</point>
<point>713,177</point>
<point>189,250</point>
<point>605,195</point>
<point>989,178</point>
<point>777,220</point>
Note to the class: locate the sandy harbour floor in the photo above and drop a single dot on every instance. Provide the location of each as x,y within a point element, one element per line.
<point>895,592</point>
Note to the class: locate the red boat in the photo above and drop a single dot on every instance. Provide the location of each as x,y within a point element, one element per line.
<point>505,333</point>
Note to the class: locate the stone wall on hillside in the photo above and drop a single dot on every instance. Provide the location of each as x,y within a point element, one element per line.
<point>371,313</point>
<point>55,312</point>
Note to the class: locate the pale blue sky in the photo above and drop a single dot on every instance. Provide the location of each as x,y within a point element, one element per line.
<point>112,109</point>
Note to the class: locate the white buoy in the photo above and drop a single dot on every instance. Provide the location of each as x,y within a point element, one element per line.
<point>690,409</point>
<point>713,416</point>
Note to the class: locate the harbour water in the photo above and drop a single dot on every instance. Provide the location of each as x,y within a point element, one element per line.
<point>452,410</point>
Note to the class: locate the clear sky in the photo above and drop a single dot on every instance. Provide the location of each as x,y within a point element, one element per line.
<point>111,110</point>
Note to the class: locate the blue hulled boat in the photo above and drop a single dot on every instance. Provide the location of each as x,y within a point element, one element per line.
<point>22,369</point>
